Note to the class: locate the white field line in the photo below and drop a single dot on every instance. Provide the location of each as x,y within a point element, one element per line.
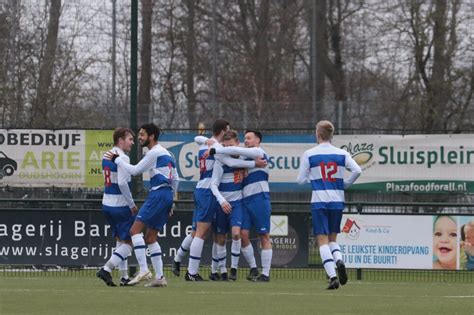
<point>152,291</point>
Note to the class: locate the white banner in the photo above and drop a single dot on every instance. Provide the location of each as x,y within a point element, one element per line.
<point>407,242</point>
<point>42,157</point>
<point>413,163</point>
<point>417,163</point>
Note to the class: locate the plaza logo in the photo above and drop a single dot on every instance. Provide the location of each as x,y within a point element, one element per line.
<point>279,225</point>
<point>360,152</point>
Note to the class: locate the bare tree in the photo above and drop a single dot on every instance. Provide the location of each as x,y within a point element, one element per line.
<point>40,104</point>
<point>4,39</point>
<point>144,91</point>
<point>189,56</point>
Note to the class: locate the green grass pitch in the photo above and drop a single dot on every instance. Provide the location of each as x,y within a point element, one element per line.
<point>30,294</point>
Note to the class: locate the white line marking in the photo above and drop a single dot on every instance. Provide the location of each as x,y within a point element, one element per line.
<point>326,294</point>
<point>147,290</point>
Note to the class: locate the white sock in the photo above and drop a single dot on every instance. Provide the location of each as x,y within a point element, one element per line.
<point>249,255</point>
<point>118,256</point>
<point>215,258</point>
<point>156,261</point>
<point>222,256</point>
<point>335,251</point>
<point>235,252</point>
<point>328,261</point>
<point>139,247</point>
<point>123,265</point>
<point>183,249</point>
<point>266,261</point>
<point>195,252</point>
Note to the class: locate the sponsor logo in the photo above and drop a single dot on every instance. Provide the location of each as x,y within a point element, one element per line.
<point>279,225</point>
<point>7,165</point>
<point>61,139</point>
<point>362,153</point>
<point>351,229</point>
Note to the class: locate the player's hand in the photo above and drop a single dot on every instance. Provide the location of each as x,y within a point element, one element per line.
<point>111,155</point>
<point>261,163</point>
<point>172,210</point>
<point>134,210</point>
<point>226,207</point>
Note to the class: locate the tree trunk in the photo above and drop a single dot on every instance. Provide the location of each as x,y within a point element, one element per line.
<point>439,93</point>
<point>321,50</point>
<point>335,70</point>
<point>40,104</point>
<point>144,88</point>
<point>4,93</point>
<point>262,56</point>
<point>189,53</point>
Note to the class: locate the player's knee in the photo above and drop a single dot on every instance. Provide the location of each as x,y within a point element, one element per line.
<point>244,236</point>
<point>220,239</point>
<point>265,239</point>
<point>132,231</point>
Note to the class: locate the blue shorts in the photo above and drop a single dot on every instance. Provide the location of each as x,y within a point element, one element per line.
<point>326,221</point>
<point>120,220</point>
<point>206,205</point>
<point>257,212</point>
<point>155,211</point>
<point>225,221</point>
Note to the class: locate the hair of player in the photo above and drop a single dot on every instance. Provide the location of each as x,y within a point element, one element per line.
<point>121,133</point>
<point>230,135</point>
<point>257,134</point>
<point>151,129</point>
<point>325,130</point>
<point>219,126</point>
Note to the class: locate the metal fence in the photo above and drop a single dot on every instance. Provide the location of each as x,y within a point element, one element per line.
<point>313,269</point>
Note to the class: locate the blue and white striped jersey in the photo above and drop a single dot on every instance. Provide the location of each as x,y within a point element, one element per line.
<point>256,178</point>
<point>206,165</point>
<point>226,183</point>
<point>323,166</point>
<point>160,165</point>
<point>116,183</point>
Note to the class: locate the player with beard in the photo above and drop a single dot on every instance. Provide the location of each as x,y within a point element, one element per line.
<point>154,213</point>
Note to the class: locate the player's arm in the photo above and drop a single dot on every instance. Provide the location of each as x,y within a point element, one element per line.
<point>303,175</point>
<point>355,170</point>
<point>201,140</point>
<point>217,173</point>
<point>253,153</point>
<point>122,179</point>
<point>144,165</point>
<point>174,180</point>
<point>233,162</point>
